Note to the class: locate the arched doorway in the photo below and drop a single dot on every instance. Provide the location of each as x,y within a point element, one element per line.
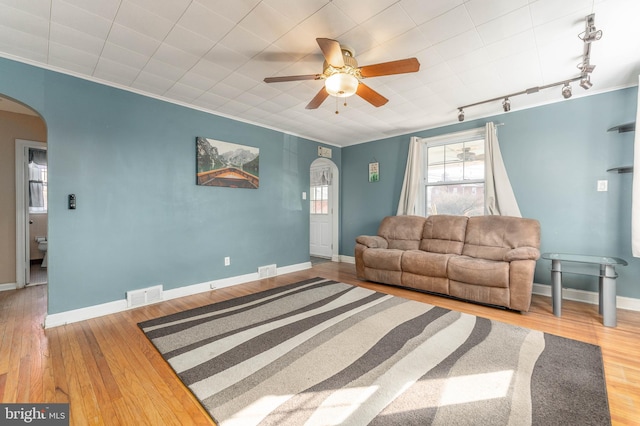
<point>22,130</point>
<point>324,212</point>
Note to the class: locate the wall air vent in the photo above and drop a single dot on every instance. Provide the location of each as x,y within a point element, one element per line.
<point>267,271</point>
<point>144,296</point>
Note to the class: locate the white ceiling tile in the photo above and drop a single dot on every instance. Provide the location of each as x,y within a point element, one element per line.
<point>329,22</point>
<point>152,83</point>
<point>523,41</point>
<point>118,54</point>
<point>459,45</point>
<point>362,11</point>
<point>168,9</point>
<point>422,11</point>
<point>505,26</point>
<point>210,69</point>
<point>23,45</point>
<point>115,71</point>
<point>225,57</point>
<point>296,10</point>
<point>267,23</point>
<point>482,11</point>
<point>197,81</point>
<point>79,19</point>
<point>143,21</point>
<point>183,92</point>
<point>234,10</point>
<point>78,40</point>
<point>188,41</point>
<point>130,39</point>
<point>205,22</point>
<point>543,11</point>
<point>24,21</point>
<point>164,69</point>
<point>175,57</point>
<point>74,59</point>
<point>448,25</point>
<point>105,8</point>
<point>40,8</point>
<point>210,100</point>
<point>244,42</point>
<point>389,24</point>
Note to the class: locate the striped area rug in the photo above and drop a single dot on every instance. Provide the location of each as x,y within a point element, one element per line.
<point>320,352</point>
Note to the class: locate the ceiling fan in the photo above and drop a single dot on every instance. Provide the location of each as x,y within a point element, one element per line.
<point>342,76</point>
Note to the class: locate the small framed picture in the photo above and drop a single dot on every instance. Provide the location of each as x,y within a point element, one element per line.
<point>374,172</point>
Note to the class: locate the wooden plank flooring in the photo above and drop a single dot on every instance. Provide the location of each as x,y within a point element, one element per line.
<point>112,375</point>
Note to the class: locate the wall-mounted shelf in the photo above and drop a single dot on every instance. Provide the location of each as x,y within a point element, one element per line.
<point>623,128</point>
<point>621,169</point>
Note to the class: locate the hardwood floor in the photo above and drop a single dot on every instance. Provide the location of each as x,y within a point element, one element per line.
<point>111,374</point>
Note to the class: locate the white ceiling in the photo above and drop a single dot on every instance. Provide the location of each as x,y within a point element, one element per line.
<point>214,54</point>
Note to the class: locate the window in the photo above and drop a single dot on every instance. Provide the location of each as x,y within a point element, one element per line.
<point>455,174</point>
<point>37,188</point>
<point>320,199</point>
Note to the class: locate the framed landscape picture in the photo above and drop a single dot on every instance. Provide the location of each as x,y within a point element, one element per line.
<point>227,164</point>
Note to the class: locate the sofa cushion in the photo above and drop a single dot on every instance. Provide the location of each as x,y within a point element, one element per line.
<point>425,263</point>
<point>481,272</point>
<point>387,259</point>
<point>492,237</point>
<point>444,234</point>
<point>402,232</point>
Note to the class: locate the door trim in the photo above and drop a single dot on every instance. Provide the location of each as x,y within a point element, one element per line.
<point>335,196</point>
<point>21,210</point>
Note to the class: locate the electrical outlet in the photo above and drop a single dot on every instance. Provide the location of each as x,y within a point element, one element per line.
<point>227,261</point>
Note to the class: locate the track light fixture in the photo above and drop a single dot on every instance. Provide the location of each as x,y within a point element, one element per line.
<point>506,105</point>
<point>589,35</point>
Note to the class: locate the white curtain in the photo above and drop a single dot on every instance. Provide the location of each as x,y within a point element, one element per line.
<point>635,195</point>
<point>320,176</point>
<point>499,197</point>
<point>411,186</point>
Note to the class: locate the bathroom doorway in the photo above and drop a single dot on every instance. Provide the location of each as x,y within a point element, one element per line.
<point>31,213</point>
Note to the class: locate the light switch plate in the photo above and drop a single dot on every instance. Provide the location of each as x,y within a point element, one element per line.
<point>603,185</point>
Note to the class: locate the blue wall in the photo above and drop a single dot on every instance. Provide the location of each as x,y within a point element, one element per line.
<point>141,220</point>
<point>554,155</point>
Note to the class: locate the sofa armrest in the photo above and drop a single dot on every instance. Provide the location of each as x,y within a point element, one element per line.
<point>522,253</point>
<point>372,241</point>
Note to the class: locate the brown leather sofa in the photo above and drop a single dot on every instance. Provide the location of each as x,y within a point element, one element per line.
<point>485,259</point>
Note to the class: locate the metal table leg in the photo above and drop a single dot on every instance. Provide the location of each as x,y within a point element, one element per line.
<point>608,296</point>
<point>556,287</point>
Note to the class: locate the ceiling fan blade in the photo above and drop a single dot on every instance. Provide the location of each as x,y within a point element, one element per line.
<point>370,95</point>
<point>388,68</point>
<point>318,99</point>
<point>331,51</point>
<point>292,78</point>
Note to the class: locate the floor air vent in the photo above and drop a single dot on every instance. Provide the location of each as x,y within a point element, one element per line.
<point>144,296</point>
<point>267,271</point>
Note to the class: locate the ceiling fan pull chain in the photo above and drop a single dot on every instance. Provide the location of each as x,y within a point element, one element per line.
<point>337,112</point>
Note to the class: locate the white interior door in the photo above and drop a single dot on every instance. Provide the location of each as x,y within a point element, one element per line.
<point>321,221</point>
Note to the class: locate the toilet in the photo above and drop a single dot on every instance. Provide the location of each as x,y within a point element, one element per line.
<point>42,246</point>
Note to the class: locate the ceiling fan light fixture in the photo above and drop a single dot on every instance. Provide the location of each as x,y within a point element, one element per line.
<point>341,85</point>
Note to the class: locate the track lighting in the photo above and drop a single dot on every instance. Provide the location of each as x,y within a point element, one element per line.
<point>586,68</point>
<point>585,83</point>
<point>506,105</point>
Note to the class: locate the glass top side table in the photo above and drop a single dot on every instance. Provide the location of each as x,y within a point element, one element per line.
<point>606,282</point>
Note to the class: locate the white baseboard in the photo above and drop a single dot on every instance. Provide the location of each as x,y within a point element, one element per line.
<point>68,317</point>
<point>584,296</point>
<point>347,259</point>
<point>8,286</point>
